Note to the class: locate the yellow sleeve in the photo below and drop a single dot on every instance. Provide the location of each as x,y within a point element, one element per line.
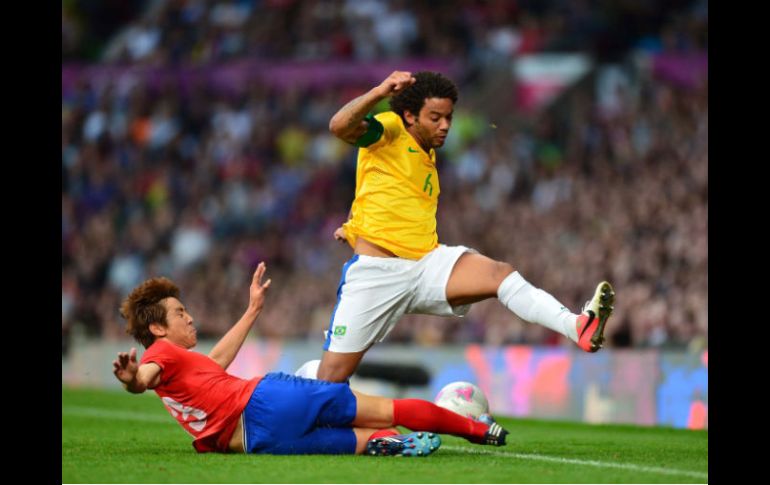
<point>392,127</point>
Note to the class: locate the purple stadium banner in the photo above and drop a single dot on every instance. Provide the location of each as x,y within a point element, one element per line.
<point>236,76</point>
<point>686,70</point>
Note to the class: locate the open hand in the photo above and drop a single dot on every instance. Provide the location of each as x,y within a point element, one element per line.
<point>125,366</point>
<point>258,289</point>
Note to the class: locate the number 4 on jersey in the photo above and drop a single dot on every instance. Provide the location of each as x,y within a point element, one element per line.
<point>428,185</point>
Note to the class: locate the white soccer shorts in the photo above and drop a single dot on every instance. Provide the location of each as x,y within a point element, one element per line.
<point>374,293</point>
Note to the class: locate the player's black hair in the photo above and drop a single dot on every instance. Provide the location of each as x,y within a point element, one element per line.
<point>427,85</point>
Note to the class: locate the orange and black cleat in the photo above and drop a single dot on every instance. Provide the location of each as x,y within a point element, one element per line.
<point>591,321</point>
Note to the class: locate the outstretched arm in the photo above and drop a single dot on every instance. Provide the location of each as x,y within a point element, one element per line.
<point>135,378</point>
<point>225,350</point>
<point>348,123</point>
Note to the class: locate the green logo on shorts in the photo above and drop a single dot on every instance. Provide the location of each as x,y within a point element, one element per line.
<point>340,331</point>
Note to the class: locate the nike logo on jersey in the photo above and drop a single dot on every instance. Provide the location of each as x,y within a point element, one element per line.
<point>412,150</point>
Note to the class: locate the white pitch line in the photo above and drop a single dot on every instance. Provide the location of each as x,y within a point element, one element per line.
<point>125,415</point>
<point>573,461</point>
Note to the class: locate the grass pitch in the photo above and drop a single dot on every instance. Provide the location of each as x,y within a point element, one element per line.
<point>117,437</point>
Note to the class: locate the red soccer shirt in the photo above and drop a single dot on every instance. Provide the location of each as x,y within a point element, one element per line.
<point>206,400</point>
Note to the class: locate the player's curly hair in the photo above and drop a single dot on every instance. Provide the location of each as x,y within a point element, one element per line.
<point>428,85</point>
<point>143,306</point>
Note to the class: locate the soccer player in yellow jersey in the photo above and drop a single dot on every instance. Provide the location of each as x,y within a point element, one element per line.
<point>399,266</point>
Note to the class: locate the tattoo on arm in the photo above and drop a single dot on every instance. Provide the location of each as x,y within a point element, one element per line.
<point>353,112</point>
<point>347,122</point>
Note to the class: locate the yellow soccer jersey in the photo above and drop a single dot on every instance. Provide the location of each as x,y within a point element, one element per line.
<point>396,193</point>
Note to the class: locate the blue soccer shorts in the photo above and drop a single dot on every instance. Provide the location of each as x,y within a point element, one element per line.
<point>290,415</point>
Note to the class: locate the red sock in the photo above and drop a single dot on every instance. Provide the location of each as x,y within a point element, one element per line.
<point>419,415</point>
<point>382,433</point>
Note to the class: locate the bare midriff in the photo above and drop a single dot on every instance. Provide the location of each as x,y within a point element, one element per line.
<point>236,441</point>
<point>367,248</point>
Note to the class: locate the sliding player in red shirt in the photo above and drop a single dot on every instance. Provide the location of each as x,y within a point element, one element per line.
<point>276,413</point>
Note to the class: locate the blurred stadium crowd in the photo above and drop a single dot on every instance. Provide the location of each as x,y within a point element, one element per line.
<point>201,185</point>
<point>163,32</point>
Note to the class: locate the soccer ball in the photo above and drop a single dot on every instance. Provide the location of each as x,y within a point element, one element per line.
<point>463,398</point>
<point>308,370</point>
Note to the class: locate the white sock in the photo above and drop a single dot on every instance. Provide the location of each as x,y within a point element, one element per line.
<point>536,306</point>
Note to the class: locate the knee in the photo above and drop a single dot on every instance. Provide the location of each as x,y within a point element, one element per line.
<point>501,270</point>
